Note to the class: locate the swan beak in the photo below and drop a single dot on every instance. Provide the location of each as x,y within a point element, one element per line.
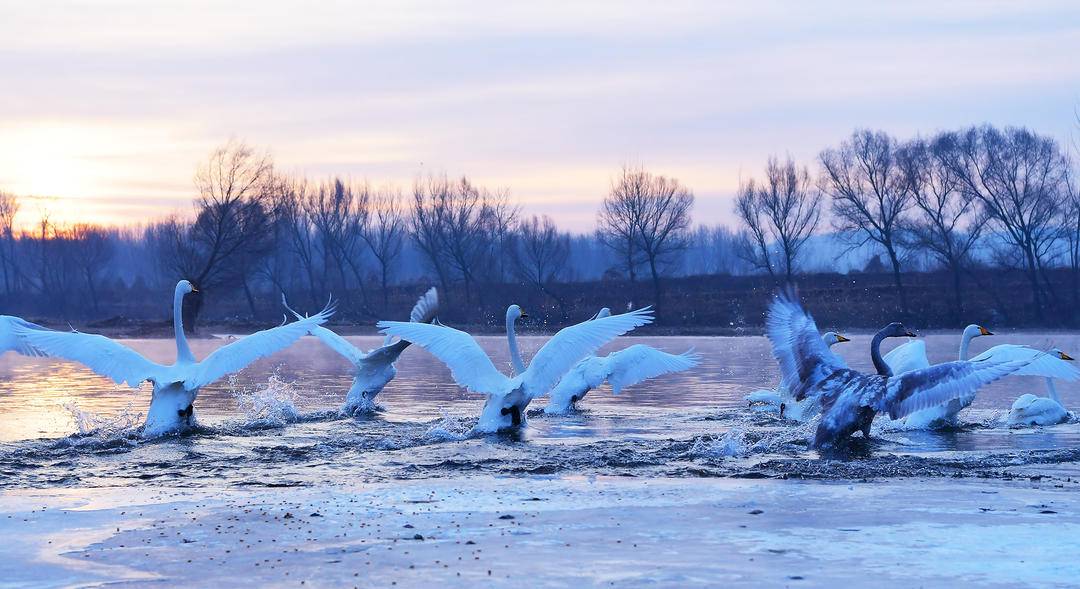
<point>193,289</point>
<point>841,339</point>
<point>524,315</point>
<point>984,331</point>
<point>910,334</point>
<point>1065,356</point>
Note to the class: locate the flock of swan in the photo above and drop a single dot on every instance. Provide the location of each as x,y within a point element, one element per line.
<point>815,383</point>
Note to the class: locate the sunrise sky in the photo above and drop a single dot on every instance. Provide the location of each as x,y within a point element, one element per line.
<point>108,106</point>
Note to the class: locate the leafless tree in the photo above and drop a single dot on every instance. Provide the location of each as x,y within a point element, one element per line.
<point>91,250</point>
<point>619,220</point>
<point>664,228</point>
<point>1019,178</point>
<point>947,220</point>
<point>385,234</point>
<point>869,195</point>
<point>782,213</point>
<point>9,208</point>
<point>338,213</point>
<point>428,224</point>
<point>541,254</point>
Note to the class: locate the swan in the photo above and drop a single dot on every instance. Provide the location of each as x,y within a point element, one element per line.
<point>912,356</point>
<point>624,368</point>
<point>849,398</point>
<point>374,369</point>
<point>1031,410</point>
<point>10,341</point>
<point>507,397</point>
<point>175,386</point>
<point>779,400</point>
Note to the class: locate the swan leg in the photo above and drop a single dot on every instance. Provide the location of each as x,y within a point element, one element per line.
<point>515,414</point>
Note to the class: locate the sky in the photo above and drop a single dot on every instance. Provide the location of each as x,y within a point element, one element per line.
<point>108,106</point>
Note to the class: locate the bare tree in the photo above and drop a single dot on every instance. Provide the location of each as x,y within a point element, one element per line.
<point>541,254</point>
<point>385,234</point>
<point>91,251</point>
<point>947,222</point>
<point>869,195</point>
<point>428,222</point>
<point>781,213</point>
<point>9,208</point>
<point>1019,178</point>
<point>619,219</point>
<point>664,228</point>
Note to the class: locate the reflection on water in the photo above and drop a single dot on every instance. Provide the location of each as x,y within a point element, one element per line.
<point>680,424</point>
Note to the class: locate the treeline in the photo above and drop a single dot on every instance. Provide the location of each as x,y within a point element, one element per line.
<point>956,207</point>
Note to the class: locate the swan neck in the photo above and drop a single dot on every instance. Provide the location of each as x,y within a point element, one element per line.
<point>875,355</point>
<point>1052,390</point>
<point>515,353</point>
<point>183,352</point>
<point>965,342</point>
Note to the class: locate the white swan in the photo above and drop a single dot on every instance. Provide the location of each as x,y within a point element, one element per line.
<point>850,399</point>
<point>375,369</point>
<point>175,386</point>
<point>912,356</point>
<point>780,401</point>
<point>1031,410</point>
<point>10,341</point>
<point>507,397</point>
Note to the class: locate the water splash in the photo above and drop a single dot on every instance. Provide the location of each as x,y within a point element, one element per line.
<point>450,428</point>
<point>105,426</point>
<point>272,404</point>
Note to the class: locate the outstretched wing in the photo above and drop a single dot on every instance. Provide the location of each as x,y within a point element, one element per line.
<point>426,307</point>
<point>804,358</point>
<point>1040,363</point>
<point>640,362</point>
<point>237,355</point>
<point>468,363</point>
<point>11,342</point>
<point>573,343</point>
<point>97,352</point>
<point>338,344</point>
<point>907,357</point>
<point>919,389</point>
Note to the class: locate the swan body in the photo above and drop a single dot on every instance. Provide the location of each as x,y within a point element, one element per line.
<point>9,339</point>
<point>375,369</point>
<point>850,399</point>
<point>1030,410</point>
<point>507,397</point>
<point>912,356</point>
<point>781,402</point>
<point>624,368</point>
<point>176,385</point>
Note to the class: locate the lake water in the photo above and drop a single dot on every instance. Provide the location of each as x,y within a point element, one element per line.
<point>276,424</point>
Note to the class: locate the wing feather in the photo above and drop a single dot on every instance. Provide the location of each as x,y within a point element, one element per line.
<point>1040,363</point>
<point>919,389</point>
<point>97,352</point>
<point>426,308</point>
<point>640,362</point>
<point>805,360</point>
<point>338,344</point>
<point>11,342</point>
<point>239,354</point>
<point>469,365</point>
<point>571,344</point>
<point>907,357</point>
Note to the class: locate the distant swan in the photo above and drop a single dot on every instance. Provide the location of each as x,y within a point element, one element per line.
<point>850,399</point>
<point>780,401</point>
<point>176,386</point>
<point>624,368</point>
<point>1031,410</point>
<point>10,341</point>
<point>374,369</point>
<point>912,356</point>
<point>507,397</point>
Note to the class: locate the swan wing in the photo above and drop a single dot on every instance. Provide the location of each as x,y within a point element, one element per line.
<point>640,362</point>
<point>919,389</point>
<point>426,307</point>
<point>338,344</point>
<point>805,360</point>
<point>573,343</point>
<point>11,342</point>
<point>907,357</point>
<point>97,352</point>
<point>469,365</point>
<point>239,354</point>
<point>1041,363</point>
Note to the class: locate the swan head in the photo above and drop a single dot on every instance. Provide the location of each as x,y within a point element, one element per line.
<point>514,312</point>
<point>897,329</point>
<point>605,312</point>
<point>832,338</point>
<point>1061,355</point>
<point>183,287</point>
<point>974,330</point>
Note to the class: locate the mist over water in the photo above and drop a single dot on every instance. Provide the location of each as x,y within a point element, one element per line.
<point>277,424</point>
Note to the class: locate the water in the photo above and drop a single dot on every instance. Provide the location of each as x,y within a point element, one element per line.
<point>276,425</point>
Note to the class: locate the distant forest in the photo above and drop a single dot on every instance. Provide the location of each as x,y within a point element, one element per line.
<point>979,224</point>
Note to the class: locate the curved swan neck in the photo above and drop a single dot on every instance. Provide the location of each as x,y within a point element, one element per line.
<point>183,352</point>
<point>965,342</point>
<point>875,355</point>
<point>515,353</point>
<point>1050,388</point>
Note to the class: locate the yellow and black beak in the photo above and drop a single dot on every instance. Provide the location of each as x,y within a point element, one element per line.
<point>1065,356</point>
<point>841,339</point>
<point>524,315</point>
<point>910,334</point>
<point>985,331</point>
<point>193,289</point>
